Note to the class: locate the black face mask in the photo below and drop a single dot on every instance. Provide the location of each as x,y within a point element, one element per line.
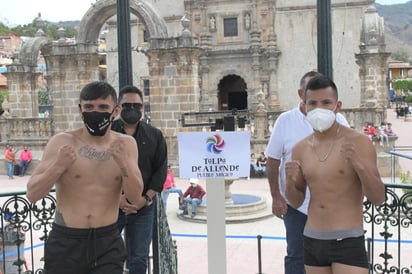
<point>131,115</point>
<point>96,122</point>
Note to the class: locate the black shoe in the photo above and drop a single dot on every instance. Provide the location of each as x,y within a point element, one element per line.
<point>193,215</point>
<point>185,212</point>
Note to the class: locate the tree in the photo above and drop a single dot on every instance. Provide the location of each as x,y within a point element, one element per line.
<point>49,28</point>
<point>401,55</point>
<point>405,85</point>
<point>3,95</point>
<point>4,30</point>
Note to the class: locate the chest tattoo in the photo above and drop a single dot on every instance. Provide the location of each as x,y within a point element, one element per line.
<point>93,154</point>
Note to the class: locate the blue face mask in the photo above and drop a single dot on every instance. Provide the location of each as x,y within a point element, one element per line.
<point>96,122</point>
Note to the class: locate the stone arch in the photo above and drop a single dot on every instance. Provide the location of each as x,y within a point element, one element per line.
<point>30,51</point>
<point>100,12</point>
<point>224,73</point>
<point>24,75</point>
<point>232,93</point>
<point>245,78</point>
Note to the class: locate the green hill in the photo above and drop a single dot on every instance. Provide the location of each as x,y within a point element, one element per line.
<point>398,26</point>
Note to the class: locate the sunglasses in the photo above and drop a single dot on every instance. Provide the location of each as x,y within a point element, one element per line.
<point>132,105</point>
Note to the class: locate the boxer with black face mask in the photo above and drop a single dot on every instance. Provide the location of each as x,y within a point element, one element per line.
<point>90,167</point>
<point>97,122</point>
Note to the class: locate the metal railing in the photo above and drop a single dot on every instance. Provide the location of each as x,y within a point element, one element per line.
<point>385,227</point>
<point>25,228</point>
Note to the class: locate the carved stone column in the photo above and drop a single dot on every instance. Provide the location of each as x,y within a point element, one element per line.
<point>372,60</point>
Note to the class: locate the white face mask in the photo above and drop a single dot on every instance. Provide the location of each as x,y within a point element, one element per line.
<point>321,119</point>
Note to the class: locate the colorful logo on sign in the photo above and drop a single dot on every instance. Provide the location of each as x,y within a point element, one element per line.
<point>215,144</point>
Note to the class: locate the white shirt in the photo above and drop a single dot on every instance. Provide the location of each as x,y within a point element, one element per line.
<point>289,129</point>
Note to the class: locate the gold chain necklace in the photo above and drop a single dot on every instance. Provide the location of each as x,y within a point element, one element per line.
<point>330,146</point>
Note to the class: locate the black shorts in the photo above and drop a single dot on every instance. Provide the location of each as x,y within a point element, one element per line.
<point>73,250</point>
<point>349,251</point>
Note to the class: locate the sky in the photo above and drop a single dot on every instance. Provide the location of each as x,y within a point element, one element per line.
<point>21,12</point>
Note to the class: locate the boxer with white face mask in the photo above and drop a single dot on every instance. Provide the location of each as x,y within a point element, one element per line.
<point>338,164</point>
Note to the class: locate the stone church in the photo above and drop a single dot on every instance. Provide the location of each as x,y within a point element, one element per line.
<point>199,61</point>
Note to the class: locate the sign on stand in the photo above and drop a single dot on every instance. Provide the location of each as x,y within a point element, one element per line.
<point>215,156</point>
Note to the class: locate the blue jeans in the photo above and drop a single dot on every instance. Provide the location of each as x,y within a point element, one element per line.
<point>194,202</point>
<point>10,168</point>
<point>138,236</point>
<point>166,192</point>
<point>23,167</point>
<point>294,221</point>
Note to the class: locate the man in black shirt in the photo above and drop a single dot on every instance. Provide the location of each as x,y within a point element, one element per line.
<point>153,166</point>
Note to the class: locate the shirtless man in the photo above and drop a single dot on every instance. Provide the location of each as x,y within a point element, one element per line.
<point>90,167</point>
<point>338,164</point>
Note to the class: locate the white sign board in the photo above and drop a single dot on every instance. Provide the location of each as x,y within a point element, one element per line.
<point>220,154</point>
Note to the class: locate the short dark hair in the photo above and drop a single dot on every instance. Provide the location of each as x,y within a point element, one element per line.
<point>310,74</point>
<point>321,81</point>
<point>96,90</point>
<point>130,89</point>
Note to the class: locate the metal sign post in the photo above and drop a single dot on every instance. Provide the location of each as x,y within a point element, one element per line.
<point>215,156</point>
<point>216,226</point>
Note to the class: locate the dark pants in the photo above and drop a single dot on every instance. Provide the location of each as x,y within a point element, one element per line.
<point>84,251</point>
<point>138,236</point>
<point>23,167</point>
<point>294,221</point>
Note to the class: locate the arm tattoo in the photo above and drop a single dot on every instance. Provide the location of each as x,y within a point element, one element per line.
<point>92,154</point>
<point>124,172</point>
<point>58,218</point>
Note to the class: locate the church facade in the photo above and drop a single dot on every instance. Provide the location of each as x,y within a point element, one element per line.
<point>198,61</point>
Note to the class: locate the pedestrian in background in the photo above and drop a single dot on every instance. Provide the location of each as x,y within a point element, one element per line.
<point>25,160</point>
<point>153,165</point>
<point>170,187</point>
<point>193,195</point>
<point>10,159</point>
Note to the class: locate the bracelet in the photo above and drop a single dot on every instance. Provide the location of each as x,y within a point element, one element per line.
<point>149,201</point>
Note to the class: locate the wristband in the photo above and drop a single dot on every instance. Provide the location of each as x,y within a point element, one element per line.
<point>149,201</point>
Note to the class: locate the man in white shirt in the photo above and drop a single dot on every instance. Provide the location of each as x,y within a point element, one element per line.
<point>289,129</point>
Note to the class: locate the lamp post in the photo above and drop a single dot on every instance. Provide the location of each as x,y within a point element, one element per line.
<point>124,43</point>
<point>325,65</point>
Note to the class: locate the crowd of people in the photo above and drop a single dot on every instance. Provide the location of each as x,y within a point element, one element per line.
<point>378,134</point>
